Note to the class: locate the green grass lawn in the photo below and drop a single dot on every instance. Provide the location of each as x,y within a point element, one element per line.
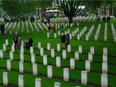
<point>94,76</point>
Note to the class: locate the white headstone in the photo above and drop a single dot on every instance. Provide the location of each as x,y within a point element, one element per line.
<point>70,36</point>
<point>38,82</point>
<point>5,78</point>
<point>80,49</point>
<point>87,65</point>
<point>32,58</point>
<point>78,37</point>
<point>87,37</point>
<point>21,67</point>
<point>21,57</point>
<point>90,57</point>
<point>68,31</point>
<point>31,50</point>
<point>104,67</point>
<point>11,55</point>
<point>9,64</point>
<point>48,35</point>
<point>77,24</point>
<point>73,34</point>
<point>58,33</point>
<point>69,48</point>
<point>64,54</point>
<point>76,55</point>
<point>20,81</point>
<point>48,46</point>
<point>4,47</point>
<point>35,71</point>
<point>58,61</point>
<point>55,35</point>
<point>52,53</point>
<point>22,43</point>
<point>105,58</point>
<point>44,59</point>
<point>13,48</point>
<point>1,54</point>
<point>58,47</point>
<point>104,80</point>
<point>49,71</point>
<point>22,49</point>
<point>66,74</point>
<point>56,84</point>
<point>105,51</point>
<point>6,42</point>
<point>84,77</point>
<point>41,51</point>
<point>72,63</point>
<point>92,50</point>
<point>39,45</point>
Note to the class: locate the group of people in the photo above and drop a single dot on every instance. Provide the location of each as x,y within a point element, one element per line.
<point>52,28</point>
<point>105,19</point>
<point>65,40</point>
<point>17,42</point>
<point>2,28</point>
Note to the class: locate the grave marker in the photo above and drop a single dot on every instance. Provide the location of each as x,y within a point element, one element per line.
<point>38,82</point>
<point>58,61</point>
<point>49,71</point>
<point>20,81</point>
<point>66,74</point>
<point>5,78</point>
<point>84,77</point>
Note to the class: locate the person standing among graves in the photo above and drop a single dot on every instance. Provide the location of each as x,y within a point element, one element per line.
<point>29,43</point>
<point>50,29</point>
<point>67,39</point>
<point>16,41</point>
<point>62,27</point>
<point>54,27</point>
<point>63,40</point>
<point>19,42</point>
<point>2,28</point>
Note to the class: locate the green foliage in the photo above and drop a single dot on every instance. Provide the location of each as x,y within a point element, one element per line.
<point>17,8</point>
<point>70,7</point>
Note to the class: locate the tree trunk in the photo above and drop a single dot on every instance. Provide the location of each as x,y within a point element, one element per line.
<point>70,20</point>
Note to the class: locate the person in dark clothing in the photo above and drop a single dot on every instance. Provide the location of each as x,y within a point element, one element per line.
<point>29,43</point>
<point>16,41</point>
<point>105,19</point>
<point>54,27</point>
<point>108,19</point>
<point>67,39</point>
<point>63,40</point>
<point>2,28</point>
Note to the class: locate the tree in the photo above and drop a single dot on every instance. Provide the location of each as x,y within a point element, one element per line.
<point>16,8</point>
<point>70,8</point>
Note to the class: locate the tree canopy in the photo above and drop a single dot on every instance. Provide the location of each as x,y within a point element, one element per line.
<point>70,7</point>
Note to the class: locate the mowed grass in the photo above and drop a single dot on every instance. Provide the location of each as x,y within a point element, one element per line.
<point>94,76</point>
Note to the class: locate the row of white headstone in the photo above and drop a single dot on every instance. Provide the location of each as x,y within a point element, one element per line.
<point>38,82</point>
<point>113,32</point>
<point>16,32</point>
<point>105,32</point>
<point>90,32</point>
<point>13,25</point>
<point>10,25</point>
<point>81,33</point>
<point>97,32</point>
<point>36,27</point>
<point>58,60</point>
<point>21,81</point>
<point>104,79</point>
